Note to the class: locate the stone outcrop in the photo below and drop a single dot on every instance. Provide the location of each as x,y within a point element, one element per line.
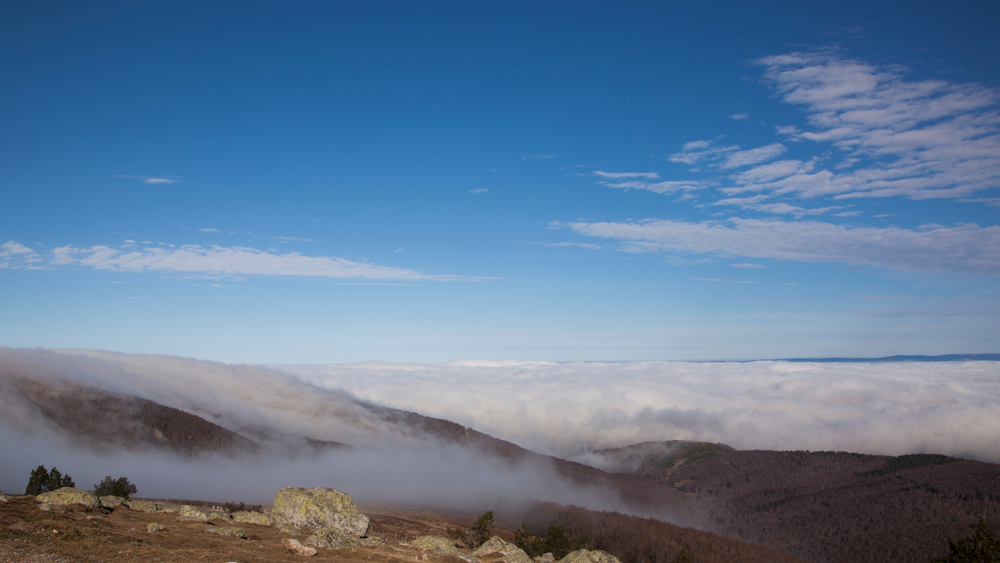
<point>516,556</point>
<point>318,509</point>
<point>191,513</point>
<point>496,544</point>
<point>142,505</point>
<point>332,539</point>
<point>244,517</point>
<point>111,501</point>
<point>437,544</point>
<point>69,495</point>
<point>588,556</point>
<point>228,531</point>
<point>297,548</point>
<point>154,527</point>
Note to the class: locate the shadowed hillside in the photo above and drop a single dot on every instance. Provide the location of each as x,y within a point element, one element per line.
<point>836,506</point>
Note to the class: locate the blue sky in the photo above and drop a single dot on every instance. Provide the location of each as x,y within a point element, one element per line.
<point>401,181</point>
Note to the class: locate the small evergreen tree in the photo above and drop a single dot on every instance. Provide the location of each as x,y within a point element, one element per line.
<point>41,481</point>
<point>557,541</point>
<point>683,556</point>
<point>37,482</point>
<point>119,487</point>
<point>980,547</point>
<point>479,531</point>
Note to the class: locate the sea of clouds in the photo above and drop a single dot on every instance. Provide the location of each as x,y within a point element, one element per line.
<point>571,408</point>
<point>565,409</point>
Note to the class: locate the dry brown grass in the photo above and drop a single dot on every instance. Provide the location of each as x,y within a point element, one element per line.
<point>78,534</point>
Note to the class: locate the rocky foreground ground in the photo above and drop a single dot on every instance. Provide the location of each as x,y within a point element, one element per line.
<point>68,529</point>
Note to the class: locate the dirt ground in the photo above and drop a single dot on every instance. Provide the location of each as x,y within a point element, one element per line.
<point>74,534</point>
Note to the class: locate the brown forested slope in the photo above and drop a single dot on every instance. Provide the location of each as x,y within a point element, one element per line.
<point>839,507</point>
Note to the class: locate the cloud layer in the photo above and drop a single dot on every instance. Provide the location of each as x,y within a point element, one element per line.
<point>212,261</point>
<point>966,248</point>
<point>897,408</point>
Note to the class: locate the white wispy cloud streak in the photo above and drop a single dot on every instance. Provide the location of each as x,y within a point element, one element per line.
<point>918,139</point>
<point>228,261</point>
<point>620,175</point>
<point>154,180</point>
<point>966,248</point>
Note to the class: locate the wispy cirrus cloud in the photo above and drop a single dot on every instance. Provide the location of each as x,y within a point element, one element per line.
<point>895,137</point>
<point>154,180</point>
<point>966,248</point>
<point>621,175</point>
<point>230,261</point>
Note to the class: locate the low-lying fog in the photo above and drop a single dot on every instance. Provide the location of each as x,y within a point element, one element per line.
<point>565,409</point>
<point>951,408</point>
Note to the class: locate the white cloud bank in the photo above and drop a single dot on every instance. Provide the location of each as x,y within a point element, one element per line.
<point>214,261</point>
<point>886,408</point>
<point>967,248</point>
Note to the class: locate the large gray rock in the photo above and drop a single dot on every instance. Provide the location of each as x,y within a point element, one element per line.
<point>69,495</point>
<point>318,509</point>
<point>437,544</point>
<point>496,544</point>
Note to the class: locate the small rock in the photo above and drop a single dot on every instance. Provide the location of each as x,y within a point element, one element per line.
<point>111,501</point>
<point>44,507</point>
<point>297,548</point>
<point>545,557</point>
<point>94,517</point>
<point>228,531</point>
<point>142,505</point>
<point>587,556</point>
<point>333,539</point>
<point>192,513</point>
<point>69,495</point>
<point>3,497</point>
<point>244,517</point>
<point>154,527</point>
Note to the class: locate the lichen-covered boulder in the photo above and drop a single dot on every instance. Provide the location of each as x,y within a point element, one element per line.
<point>243,517</point>
<point>111,501</point>
<point>287,530</point>
<point>496,544</point>
<point>154,527</point>
<point>517,555</point>
<point>142,505</point>
<point>69,495</point>
<point>318,509</point>
<point>228,531</point>
<point>297,548</point>
<point>437,544</point>
<point>588,556</point>
<point>331,539</point>
<point>191,513</point>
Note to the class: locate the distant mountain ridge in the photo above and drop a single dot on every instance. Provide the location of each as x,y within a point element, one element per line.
<point>942,358</point>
